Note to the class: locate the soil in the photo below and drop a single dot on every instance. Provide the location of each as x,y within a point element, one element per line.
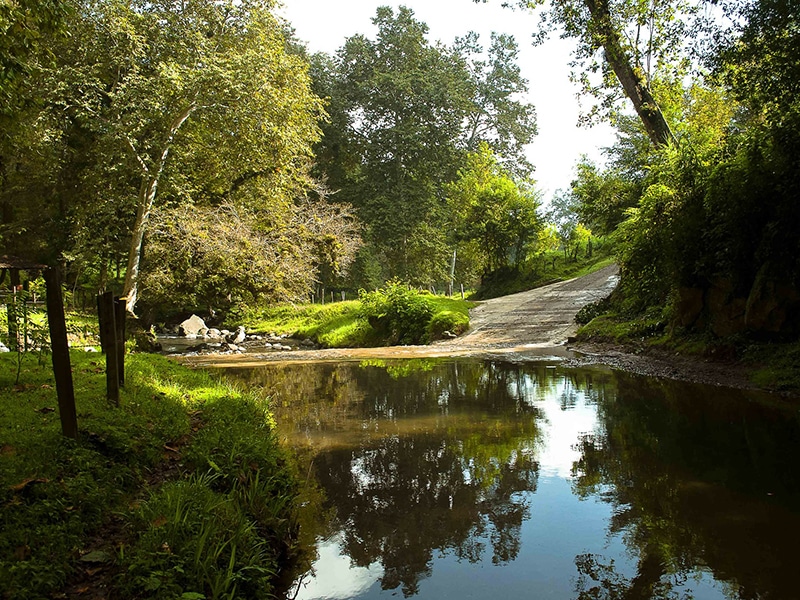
<point>534,325</point>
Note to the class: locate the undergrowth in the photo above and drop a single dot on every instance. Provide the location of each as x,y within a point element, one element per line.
<point>220,526</point>
<point>394,314</point>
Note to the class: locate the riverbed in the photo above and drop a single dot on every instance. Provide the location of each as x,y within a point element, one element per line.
<point>487,477</point>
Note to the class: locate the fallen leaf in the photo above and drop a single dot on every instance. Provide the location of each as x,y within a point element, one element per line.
<point>159,522</point>
<point>26,483</point>
<point>82,590</point>
<point>97,556</point>
<point>91,572</point>
<point>46,410</point>
<point>7,450</point>
<point>47,386</point>
<point>170,448</point>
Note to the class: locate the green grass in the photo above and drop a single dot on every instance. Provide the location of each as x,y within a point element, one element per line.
<point>540,271</point>
<point>774,366</point>
<point>614,328</point>
<point>218,522</point>
<point>340,325</point>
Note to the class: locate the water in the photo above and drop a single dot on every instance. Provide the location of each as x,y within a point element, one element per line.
<point>479,479</point>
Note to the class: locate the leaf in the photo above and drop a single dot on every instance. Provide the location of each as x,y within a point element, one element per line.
<point>159,521</point>
<point>26,483</point>
<point>97,556</point>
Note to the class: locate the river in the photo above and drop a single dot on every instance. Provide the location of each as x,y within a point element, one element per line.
<point>486,479</point>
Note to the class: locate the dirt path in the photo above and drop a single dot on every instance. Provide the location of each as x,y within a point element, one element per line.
<point>541,317</point>
<point>537,322</point>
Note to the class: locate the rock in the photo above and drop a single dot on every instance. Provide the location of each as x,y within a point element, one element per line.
<point>87,349</point>
<point>4,348</point>
<point>689,306</point>
<point>214,333</point>
<point>449,335</point>
<point>268,345</point>
<point>307,343</point>
<point>203,332</point>
<point>230,347</point>
<point>192,326</point>
<point>238,337</point>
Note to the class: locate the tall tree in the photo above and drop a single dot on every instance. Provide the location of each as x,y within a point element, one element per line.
<point>632,37</point>
<point>404,114</point>
<point>208,82</point>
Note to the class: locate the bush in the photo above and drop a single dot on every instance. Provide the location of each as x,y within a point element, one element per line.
<point>398,313</point>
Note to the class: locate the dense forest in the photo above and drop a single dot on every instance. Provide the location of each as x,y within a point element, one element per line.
<point>194,155</point>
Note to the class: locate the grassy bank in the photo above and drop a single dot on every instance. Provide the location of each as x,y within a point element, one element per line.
<point>349,324</point>
<point>181,492</point>
<point>773,366</point>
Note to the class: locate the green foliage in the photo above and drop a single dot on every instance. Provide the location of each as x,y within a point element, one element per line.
<point>611,327</point>
<point>399,313</point>
<point>490,210</point>
<point>145,105</point>
<point>58,494</point>
<point>197,539</point>
<point>404,112</point>
<point>348,324</point>
<point>217,258</point>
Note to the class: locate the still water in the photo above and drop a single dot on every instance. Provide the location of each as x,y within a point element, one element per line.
<point>486,480</point>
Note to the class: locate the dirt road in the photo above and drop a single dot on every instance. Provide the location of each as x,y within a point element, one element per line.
<point>535,322</point>
<point>541,317</point>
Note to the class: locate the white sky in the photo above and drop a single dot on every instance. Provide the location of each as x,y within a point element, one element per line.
<point>324,25</point>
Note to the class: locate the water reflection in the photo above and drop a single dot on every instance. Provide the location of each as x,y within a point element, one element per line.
<point>473,479</point>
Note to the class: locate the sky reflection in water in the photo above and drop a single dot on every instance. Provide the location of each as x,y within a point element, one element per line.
<point>477,479</point>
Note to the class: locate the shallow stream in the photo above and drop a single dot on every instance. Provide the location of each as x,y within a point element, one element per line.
<point>466,478</point>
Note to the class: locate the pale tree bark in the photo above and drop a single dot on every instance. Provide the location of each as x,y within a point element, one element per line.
<point>147,197</point>
<point>633,83</point>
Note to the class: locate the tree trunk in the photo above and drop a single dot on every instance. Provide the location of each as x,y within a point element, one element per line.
<point>147,197</point>
<point>633,83</point>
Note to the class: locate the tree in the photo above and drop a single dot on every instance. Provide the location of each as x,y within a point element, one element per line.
<point>498,116</point>
<point>195,103</point>
<point>490,209</point>
<point>404,114</point>
<point>628,33</point>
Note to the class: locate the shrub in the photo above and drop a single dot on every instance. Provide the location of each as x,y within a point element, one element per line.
<point>398,312</point>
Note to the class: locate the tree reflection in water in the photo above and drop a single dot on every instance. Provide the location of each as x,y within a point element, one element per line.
<point>699,477</point>
<point>421,459</point>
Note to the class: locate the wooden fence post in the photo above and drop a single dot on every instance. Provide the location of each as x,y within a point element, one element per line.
<point>119,322</point>
<point>108,338</point>
<point>62,369</point>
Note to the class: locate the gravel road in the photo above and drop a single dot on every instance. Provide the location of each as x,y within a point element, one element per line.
<point>541,317</point>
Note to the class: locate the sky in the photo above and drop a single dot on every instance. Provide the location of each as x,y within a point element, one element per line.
<point>324,25</point>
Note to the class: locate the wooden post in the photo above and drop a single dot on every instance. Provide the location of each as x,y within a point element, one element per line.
<point>119,321</point>
<point>62,369</point>
<point>108,332</point>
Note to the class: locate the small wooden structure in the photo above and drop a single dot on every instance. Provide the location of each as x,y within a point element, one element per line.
<point>62,369</point>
